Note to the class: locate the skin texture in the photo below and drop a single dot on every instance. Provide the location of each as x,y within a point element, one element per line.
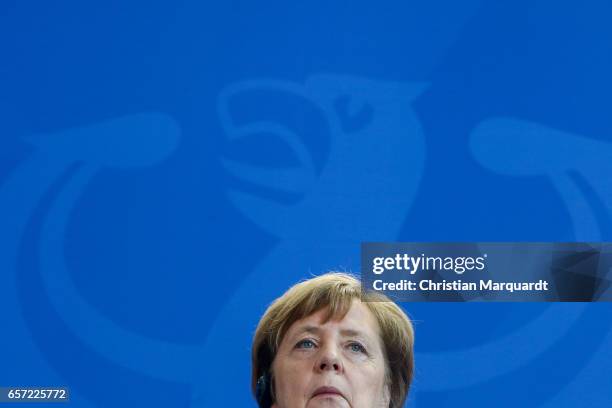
<point>346,354</point>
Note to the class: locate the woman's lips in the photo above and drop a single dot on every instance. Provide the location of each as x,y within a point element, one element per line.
<point>327,391</point>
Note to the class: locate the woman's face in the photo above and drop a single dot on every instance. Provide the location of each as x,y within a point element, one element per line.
<point>339,363</point>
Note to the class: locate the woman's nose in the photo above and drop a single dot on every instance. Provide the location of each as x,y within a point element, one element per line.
<point>329,360</point>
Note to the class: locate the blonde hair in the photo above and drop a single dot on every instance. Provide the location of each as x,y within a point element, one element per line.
<point>335,292</point>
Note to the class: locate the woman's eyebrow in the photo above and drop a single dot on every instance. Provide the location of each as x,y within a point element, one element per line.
<point>307,329</point>
<point>355,333</point>
<point>352,333</point>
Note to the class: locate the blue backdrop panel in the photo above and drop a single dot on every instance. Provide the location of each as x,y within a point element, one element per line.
<point>168,168</point>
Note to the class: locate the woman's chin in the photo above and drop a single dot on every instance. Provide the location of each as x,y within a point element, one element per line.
<point>328,401</point>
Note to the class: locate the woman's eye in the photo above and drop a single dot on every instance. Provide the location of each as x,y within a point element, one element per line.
<point>305,344</point>
<point>357,348</point>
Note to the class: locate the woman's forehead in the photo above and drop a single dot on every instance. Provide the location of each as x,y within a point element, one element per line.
<point>358,320</point>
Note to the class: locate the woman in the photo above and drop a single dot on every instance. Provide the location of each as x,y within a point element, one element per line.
<point>325,344</point>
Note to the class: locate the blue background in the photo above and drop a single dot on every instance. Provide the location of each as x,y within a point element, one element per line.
<point>168,168</point>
